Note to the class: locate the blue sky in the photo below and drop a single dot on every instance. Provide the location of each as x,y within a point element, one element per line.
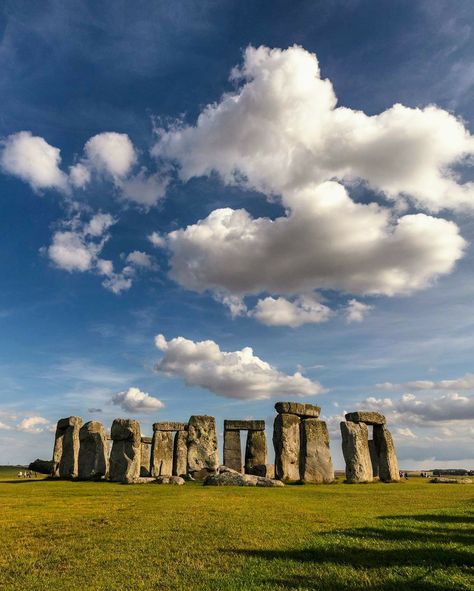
<point>337,303</point>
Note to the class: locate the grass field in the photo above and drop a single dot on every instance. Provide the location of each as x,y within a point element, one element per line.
<point>90,536</point>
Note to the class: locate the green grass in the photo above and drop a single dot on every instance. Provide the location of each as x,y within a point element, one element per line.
<point>90,536</point>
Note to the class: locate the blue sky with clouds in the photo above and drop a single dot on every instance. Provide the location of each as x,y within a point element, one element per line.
<point>170,181</point>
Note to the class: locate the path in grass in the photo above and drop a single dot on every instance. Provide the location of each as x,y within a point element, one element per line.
<point>76,535</point>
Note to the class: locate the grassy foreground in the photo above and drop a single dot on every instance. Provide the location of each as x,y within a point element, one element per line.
<point>102,536</point>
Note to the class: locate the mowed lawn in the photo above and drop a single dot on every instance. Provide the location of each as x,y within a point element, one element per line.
<point>78,535</point>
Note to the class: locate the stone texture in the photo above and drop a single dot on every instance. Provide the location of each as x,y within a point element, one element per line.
<point>388,464</point>
<point>202,444</point>
<point>145,448</point>
<point>125,457</point>
<point>93,452</point>
<point>286,441</point>
<point>442,480</point>
<point>66,448</point>
<point>170,480</point>
<point>180,453</point>
<point>232,449</point>
<point>170,426</point>
<point>42,466</point>
<point>366,416</point>
<point>162,453</point>
<point>255,452</point>
<point>298,408</point>
<point>374,458</point>
<point>232,425</point>
<point>355,448</point>
<point>316,462</point>
<point>228,477</point>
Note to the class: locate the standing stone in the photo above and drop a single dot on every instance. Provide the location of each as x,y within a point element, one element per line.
<point>93,452</point>
<point>232,450</point>
<point>286,441</point>
<point>355,448</point>
<point>145,457</point>
<point>162,453</point>
<point>256,453</point>
<point>180,453</point>
<point>316,461</point>
<point>374,458</point>
<point>66,448</point>
<point>202,445</point>
<point>125,457</point>
<point>388,464</point>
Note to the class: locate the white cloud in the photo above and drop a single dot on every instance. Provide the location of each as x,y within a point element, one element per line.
<point>157,240</point>
<point>282,312</point>
<point>134,400</point>
<point>110,153</point>
<point>236,374</point>
<point>140,259</point>
<point>33,160</point>
<point>5,427</point>
<point>34,424</point>
<point>281,131</point>
<point>325,241</point>
<point>465,382</point>
<point>145,189</point>
<point>405,432</point>
<point>356,311</point>
<point>79,175</point>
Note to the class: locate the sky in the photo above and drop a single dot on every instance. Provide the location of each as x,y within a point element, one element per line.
<point>212,206</point>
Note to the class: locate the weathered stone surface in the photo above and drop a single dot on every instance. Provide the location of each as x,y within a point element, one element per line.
<point>143,480</point>
<point>286,441</point>
<point>388,464</point>
<point>170,480</point>
<point>42,466</point>
<point>255,452</point>
<point>443,480</point>
<point>162,453</point>
<point>145,448</point>
<point>355,448</point>
<point>298,408</point>
<point>170,426</point>
<point>366,416</point>
<point>202,444</point>
<point>233,425</point>
<point>374,458</point>
<point>66,448</point>
<point>125,457</point>
<point>180,453</point>
<point>316,461</point>
<point>232,449</point>
<point>93,452</point>
<point>230,477</point>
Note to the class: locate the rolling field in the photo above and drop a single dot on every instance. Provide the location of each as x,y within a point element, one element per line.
<point>102,536</point>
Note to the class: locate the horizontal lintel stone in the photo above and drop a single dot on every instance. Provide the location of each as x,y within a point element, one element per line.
<point>146,440</point>
<point>235,425</point>
<point>170,426</point>
<point>300,409</point>
<point>366,416</point>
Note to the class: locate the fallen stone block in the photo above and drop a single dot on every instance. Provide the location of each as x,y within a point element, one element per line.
<point>443,480</point>
<point>232,478</point>
<point>42,466</point>
<point>177,480</point>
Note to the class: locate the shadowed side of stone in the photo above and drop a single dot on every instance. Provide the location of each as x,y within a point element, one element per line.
<point>374,457</point>
<point>316,461</point>
<point>232,449</point>
<point>93,452</point>
<point>125,457</point>
<point>256,453</point>
<point>387,458</point>
<point>66,448</point>
<point>286,441</point>
<point>202,445</point>
<point>355,448</point>
<point>42,466</point>
<point>180,453</point>
<point>145,457</point>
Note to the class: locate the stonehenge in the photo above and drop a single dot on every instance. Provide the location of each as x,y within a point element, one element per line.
<point>301,443</point>
<point>180,451</point>
<point>255,447</point>
<point>368,458</point>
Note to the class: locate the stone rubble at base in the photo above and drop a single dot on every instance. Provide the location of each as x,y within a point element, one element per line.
<point>189,451</point>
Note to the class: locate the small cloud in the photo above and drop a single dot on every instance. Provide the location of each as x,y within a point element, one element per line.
<point>157,240</point>
<point>356,311</point>
<point>34,424</point>
<point>134,400</point>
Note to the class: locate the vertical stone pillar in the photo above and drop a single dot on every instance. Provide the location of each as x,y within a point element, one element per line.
<point>286,441</point>
<point>387,459</point>
<point>93,452</point>
<point>145,457</point>
<point>355,448</point>
<point>316,462</point>
<point>232,450</point>
<point>162,453</point>
<point>180,453</point>
<point>66,448</point>
<point>125,457</point>
<point>374,458</point>
<point>203,455</point>
<point>256,453</point>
